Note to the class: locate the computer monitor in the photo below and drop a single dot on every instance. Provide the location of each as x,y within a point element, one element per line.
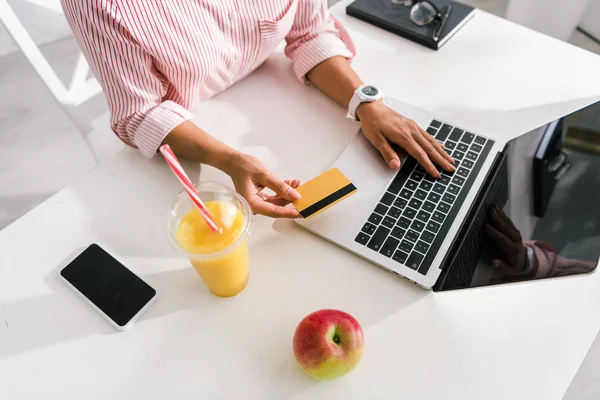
<point>537,216</point>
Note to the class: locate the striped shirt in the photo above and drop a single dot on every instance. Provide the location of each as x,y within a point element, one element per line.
<point>155,60</point>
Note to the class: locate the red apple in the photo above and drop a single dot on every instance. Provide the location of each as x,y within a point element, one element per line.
<point>328,344</point>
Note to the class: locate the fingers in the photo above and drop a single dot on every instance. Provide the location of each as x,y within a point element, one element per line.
<point>259,206</point>
<point>435,154</point>
<point>282,188</point>
<point>389,155</point>
<point>502,241</point>
<point>507,228</point>
<point>415,150</point>
<point>438,148</point>
<point>508,221</point>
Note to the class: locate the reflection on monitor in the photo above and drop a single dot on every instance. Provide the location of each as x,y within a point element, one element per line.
<point>537,216</point>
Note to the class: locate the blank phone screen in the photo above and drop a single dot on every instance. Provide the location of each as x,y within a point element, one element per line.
<point>107,283</point>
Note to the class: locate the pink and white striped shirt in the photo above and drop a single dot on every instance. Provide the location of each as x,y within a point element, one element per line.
<point>156,59</point>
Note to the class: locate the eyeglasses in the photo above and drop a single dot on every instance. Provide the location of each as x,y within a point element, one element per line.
<point>424,12</point>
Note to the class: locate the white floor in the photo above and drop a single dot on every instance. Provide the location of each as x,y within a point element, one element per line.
<point>42,152</point>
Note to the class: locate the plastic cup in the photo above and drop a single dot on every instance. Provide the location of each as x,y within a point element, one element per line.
<point>224,269</point>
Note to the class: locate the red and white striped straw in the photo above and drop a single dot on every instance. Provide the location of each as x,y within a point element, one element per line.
<point>173,162</point>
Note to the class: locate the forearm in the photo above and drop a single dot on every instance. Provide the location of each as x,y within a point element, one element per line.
<point>192,143</point>
<point>336,78</point>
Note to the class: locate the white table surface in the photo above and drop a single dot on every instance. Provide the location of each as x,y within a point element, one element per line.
<point>520,341</point>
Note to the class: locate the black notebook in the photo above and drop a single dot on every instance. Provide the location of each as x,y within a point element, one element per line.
<point>396,18</point>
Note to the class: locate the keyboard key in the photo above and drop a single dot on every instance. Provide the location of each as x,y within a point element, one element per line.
<point>449,173</point>
<point>448,198</point>
<point>388,199</point>
<point>457,155</point>
<point>400,203</point>
<point>414,260</point>
<point>467,163</point>
<point>421,194</point>
<point>420,169</point>
<point>443,132</point>
<point>362,238</point>
<point>458,180</point>
<point>410,184</point>
<point>406,194</point>
<point>427,236</point>
<point>467,138</point>
<point>456,134</point>
<point>433,226</point>
<point>428,206</point>
<point>423,216</point>
<point>425,185</point>
<point>389,247</point>
<point>406,246</point>
<point>443,207</point>
<point>375,219</point>
<point>472,156</point>
<point>400,256</point>
<point>453,189</point>
<point>449,145</point>
<point>445,179</point>
<point>381,209</point>
<point>434,197</point>
<point>462,172</point>
<point>389,222</point>
<point>432,131</point>
<point>409,213</point>
<point>398,232</point>
<point>378,238</point>
<point>417,225</point>
<point>400,178</point>
<point>368,228</point>
<point>422,247</point>
<point>394,212</point>
<point>435,124</point>
<point>403,222</point>
<point>429,178</point>
<point>417,176</point>
<point>462,147</point>
<point>412,235</point>
<point>476,148</point>
<point>416,204</point>
<point>439,188</point>
<point>438,217</point>
<point>480,140</point>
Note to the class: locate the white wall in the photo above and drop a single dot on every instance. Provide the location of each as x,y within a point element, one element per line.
<point>556,18</point>
<point>43,20</point>
<point>591,19</point>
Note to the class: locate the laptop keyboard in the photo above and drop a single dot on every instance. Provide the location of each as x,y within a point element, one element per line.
<point>412,218</point>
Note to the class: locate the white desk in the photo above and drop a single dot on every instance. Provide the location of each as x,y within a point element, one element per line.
<point>522,341</point>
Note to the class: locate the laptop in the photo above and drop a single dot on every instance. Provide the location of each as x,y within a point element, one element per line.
<point>407,221</point>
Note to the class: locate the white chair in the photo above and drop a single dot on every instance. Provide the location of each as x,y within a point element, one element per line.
<point>69,99</point>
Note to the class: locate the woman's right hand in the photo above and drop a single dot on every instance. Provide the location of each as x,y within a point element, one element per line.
<point>250,177</point>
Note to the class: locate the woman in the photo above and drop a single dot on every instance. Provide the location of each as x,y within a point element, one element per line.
<point>156,59</point>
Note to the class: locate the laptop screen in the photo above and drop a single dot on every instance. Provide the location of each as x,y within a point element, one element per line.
<point>538,216</point>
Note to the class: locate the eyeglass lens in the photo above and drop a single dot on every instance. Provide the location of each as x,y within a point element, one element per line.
<point>423,13</point>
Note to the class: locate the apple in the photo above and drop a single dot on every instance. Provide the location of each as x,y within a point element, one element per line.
<point>328,344</point>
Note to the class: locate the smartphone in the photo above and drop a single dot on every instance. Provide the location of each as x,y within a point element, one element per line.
<point>109,286</point>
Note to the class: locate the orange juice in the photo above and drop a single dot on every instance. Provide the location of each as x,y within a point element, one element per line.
<point>219,259</point>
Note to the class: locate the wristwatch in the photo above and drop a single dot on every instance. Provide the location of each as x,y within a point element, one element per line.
<point>364,94</point>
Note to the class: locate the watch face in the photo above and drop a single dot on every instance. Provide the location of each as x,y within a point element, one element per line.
<point>370,91</point>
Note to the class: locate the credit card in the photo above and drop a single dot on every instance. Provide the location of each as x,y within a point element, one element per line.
<point>323,192</point>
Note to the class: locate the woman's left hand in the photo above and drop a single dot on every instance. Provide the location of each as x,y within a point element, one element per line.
<point>383,126</point>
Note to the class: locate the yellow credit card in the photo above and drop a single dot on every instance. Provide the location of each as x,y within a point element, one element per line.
<point>323,192</point>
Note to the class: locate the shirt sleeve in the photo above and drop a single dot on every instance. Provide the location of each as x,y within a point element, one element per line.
<point>316,36</point>
<point>551,264</point>
<point>133,88</point>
